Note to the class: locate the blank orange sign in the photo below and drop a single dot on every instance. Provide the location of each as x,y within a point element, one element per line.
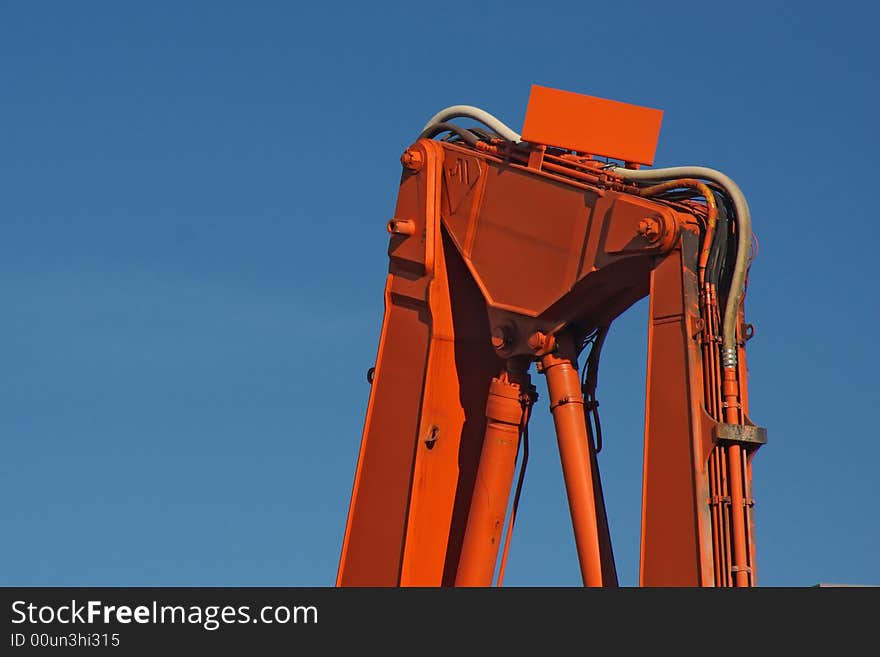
<point>592,125</point>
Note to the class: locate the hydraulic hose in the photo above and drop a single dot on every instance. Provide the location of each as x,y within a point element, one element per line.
<point>711,219</point>
<point>718,250</point>
<point>744,239</point>
<point>435,129</point>
<point>475,113</point>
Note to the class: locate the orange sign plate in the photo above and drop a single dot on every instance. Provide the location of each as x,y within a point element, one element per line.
<point>587,124</point>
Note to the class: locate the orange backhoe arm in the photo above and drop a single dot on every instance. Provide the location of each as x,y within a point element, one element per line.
<point>505,253</point>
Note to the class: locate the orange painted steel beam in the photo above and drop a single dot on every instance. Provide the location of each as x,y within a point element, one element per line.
<point>425,418</point>
<point>677,543</point>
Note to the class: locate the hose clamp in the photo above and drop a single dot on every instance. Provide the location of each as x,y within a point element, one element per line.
<point>728,358</point>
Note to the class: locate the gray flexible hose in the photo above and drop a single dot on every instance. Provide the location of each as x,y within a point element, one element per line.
<point>744,242</point>
<point>475,113</point>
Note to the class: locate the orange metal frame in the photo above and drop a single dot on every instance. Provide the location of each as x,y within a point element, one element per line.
<point>501,257</point>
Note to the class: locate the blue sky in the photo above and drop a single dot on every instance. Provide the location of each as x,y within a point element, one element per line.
<point>192,259</point>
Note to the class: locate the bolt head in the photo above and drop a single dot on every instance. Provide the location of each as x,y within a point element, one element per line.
<point>500,338</point>
<point>649,228</point>
<point>537,340</point>
<point>412,159</point>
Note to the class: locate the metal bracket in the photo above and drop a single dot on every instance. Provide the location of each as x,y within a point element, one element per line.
<point>567,400</point>
<point>741,434</point>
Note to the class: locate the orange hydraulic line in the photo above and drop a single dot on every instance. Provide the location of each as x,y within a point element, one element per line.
<point>716,518</point>
<point>735,473</point>
<point>571,171</point>
<point>744,410</point>
<point>482,537</point>
<point>723,506</point>
<point>737,504</point>
<point>711,392</point>
<point>733,531</point>
<point>723,553</point>
<point>562,167</point>
<point>567,406</point>
<point>700,186</point>
<point>750,527</point>
<point>710,365</point>
<point>710,399</point>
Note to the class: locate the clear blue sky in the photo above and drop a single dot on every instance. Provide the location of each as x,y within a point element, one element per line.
<point>192,202</point>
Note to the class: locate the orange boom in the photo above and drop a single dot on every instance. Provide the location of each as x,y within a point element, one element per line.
<point>507,250</point>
